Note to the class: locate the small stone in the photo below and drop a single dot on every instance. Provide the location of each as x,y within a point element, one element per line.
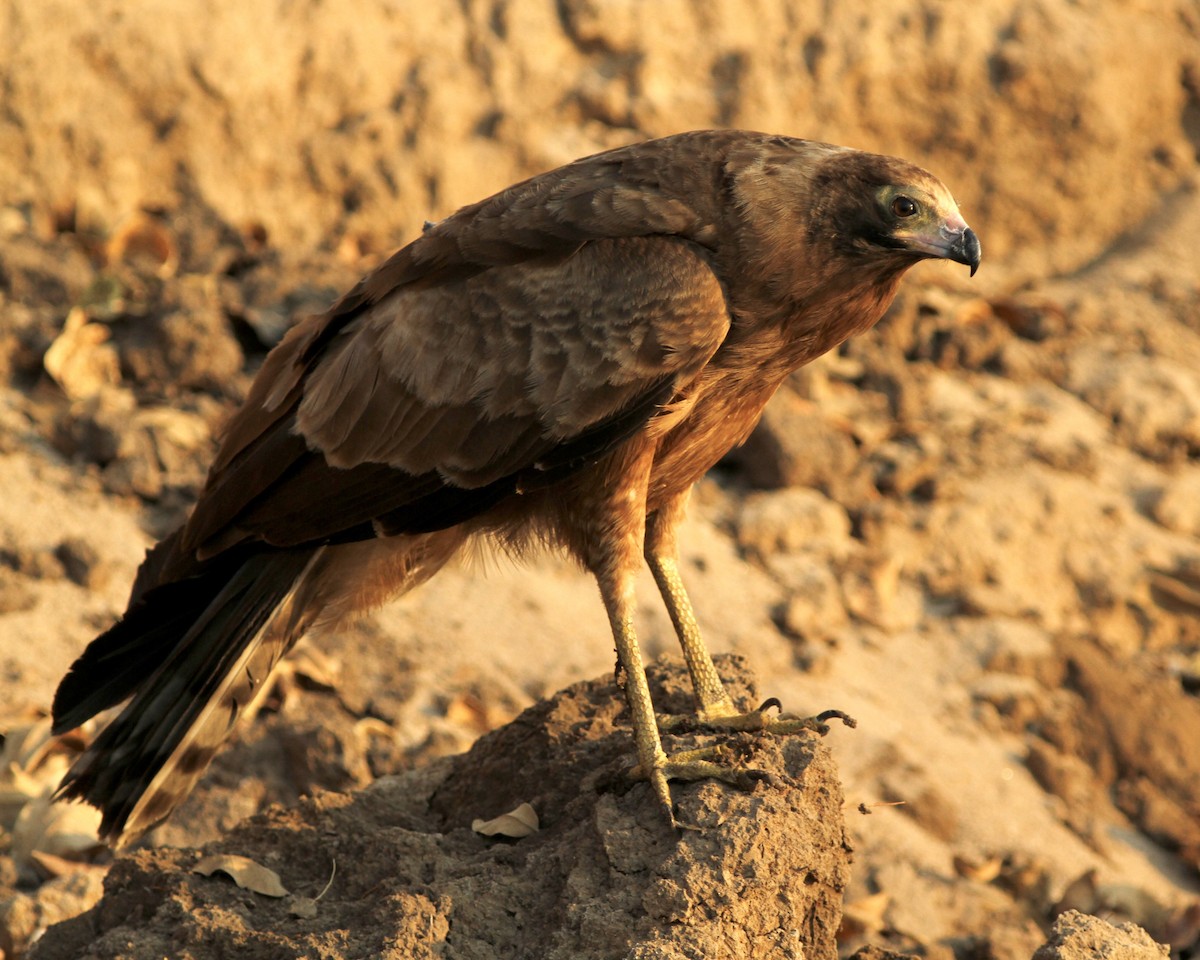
<point>81,563</point>
<point>1078,936</point>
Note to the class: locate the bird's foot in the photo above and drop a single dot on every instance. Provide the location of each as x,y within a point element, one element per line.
<point>725,717</point>
<point>705,763</point>
<point>718,762</point>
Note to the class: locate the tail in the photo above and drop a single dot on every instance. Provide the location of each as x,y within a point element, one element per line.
<point>190,653</point>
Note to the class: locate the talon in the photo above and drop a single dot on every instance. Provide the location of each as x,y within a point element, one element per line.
<point>846,719</point>
<point>754,777</point>
<point>770,702</point>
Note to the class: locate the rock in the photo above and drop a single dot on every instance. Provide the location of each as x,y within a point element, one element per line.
<point>23,916</point>
<point>605,875</point>
<point>140,450</point>
<point>16,596</point>
<point>1178,506</point>
<point>192,348</point>
<point>815,608</point>
<point>81,563</point>
<point>93,429</point>
<point>790,521</point>
<point>1153,403</point>
<point>1156,758</point>
<point>795,445</point>
<point>1078,936</point>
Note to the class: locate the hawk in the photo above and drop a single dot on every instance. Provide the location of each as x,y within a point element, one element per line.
<point>557,364</point>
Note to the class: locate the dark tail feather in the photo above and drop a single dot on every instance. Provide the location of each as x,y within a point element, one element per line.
<point>117,661</point>
<point>191,654</point>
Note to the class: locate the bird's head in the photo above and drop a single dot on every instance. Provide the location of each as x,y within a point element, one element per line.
<point>890,211</point>
<point>813,217</point>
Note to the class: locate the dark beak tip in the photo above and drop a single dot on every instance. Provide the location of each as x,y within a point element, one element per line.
<point>972,251</point>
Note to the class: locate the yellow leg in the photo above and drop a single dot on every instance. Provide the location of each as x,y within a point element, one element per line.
<point>662,556</point>
<point>711,698</point>
<point>651,758</point>
<point>714,707</point>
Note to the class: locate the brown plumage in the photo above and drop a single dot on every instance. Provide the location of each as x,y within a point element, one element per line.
<point>557,363</point>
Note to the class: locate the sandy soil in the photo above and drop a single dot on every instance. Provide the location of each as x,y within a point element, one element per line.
<point>975,529</point>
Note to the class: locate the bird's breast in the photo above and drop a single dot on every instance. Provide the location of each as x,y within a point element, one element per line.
<point>719,416</point>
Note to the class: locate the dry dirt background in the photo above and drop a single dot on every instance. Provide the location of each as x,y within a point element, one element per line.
<point>976,529</point>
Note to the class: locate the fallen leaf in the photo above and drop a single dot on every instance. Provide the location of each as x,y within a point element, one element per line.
<point>314,669</point>
<point>468,710</point>
<point>142,237</point>
<point>984,872</point>
<point>245,873</point>
<point>520,822</point>
<point>1174,593</point>
<point>32,764</point>
<point>864,916</point>
<point>370,727</point>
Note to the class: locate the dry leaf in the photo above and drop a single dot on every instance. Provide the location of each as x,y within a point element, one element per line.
<point>245,873</point>
<point>315,669</point>
<point>984,872</point>
<point>142,237</point>
<point>1174,592</point>
<point>306,668</point>
<point>520,822</point>
<point>468,710</point>
<point>80,359</point>
<point>32,763</point>
<point>22,741</point>
<point>369,727</point>
<point>864,916</point>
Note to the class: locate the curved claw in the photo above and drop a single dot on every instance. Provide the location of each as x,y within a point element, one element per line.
<point>848,720</point>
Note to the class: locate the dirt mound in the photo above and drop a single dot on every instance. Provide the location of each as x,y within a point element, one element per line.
<point>396,870</point>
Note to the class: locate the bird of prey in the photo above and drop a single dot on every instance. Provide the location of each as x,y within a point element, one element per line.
<point>556,364</point>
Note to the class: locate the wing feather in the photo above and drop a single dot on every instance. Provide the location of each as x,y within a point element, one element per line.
<point>507,346</point>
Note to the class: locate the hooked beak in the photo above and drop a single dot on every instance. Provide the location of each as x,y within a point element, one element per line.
<point>964,248</point>
<point>954,241</point>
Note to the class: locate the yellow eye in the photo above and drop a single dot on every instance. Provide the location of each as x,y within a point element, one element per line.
<point>904,207</point>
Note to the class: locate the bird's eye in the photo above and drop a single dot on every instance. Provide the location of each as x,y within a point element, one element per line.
<point>904,207</point>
